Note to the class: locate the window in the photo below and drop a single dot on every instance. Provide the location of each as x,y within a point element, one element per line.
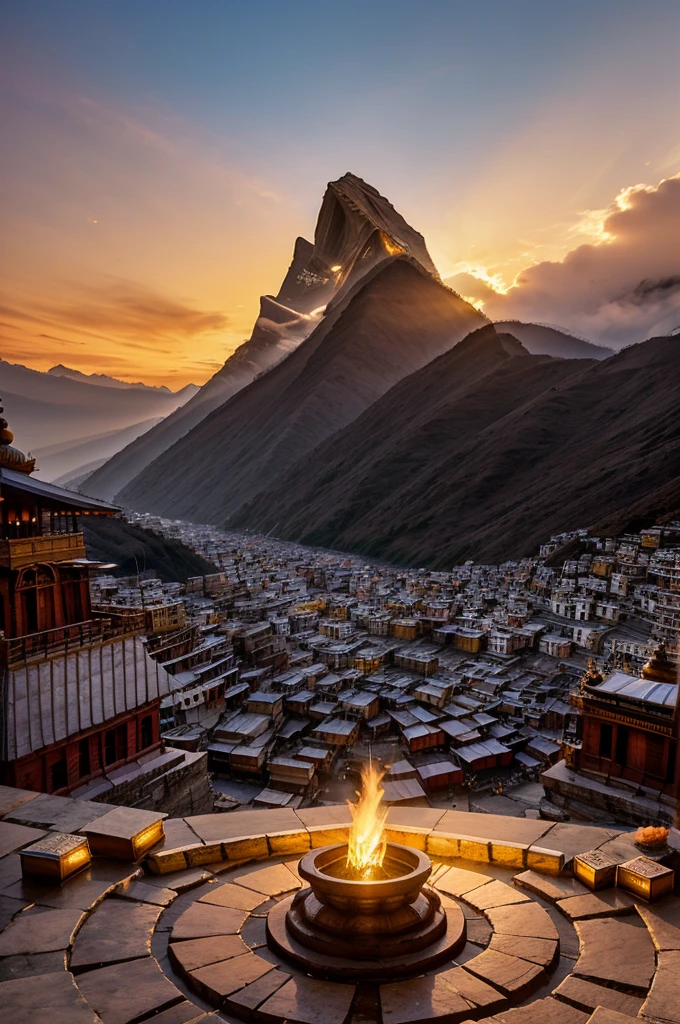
<point>146,732</point>
<point>109,746</point>
<point>58,774</point>
<point>84,767</point>
<point>121,742</point>
<point>606,741</point>
<point>622,745</point>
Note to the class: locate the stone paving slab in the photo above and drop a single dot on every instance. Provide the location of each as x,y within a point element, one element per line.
<point>424,818</point>
<point>142,892</point>
<point>527,919</point>
<point>10,871</point>
<point>604,1016</point>
<point>11,798</point>
<point>218,980</point>
<point>14,837</point>
<point>235,896</point>
<point>478,930</point>
<point>127,992</point>
<point>663,1001</point>
<point>79,892</point>
<point>24,1001</point>
<point>494,894</point>
<point>117,930</point>
<point>458,881</point>
<point>30,965</point>
<point>487,826</point>
<point>663,923</point>
<point>39,932</point>
<point>587,995</point>
<point>195,953</point>
<point>203,919</point>
<point>177,833</point>
<point>182,1013</point>
<point>213,828</point>
<point>433,997</point>
<point>615,950</point>
<point>57,813</point>
<point>537,951</point>
<point>550,888</point>
<point>273,880</point>
<point>606,903</point>
<point>307,1001</point>
<point>478,993</point>
<point>9,908</point>
<point>247,999</point>
<point>514,977</point>
<point>573,839</point>
<point>543,1011</point>
<point>181,881</point>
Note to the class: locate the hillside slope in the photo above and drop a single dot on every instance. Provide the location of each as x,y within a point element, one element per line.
<point>134,549</point>
<point>542,340</point>
<point>483,453</point>
<point>394,320</point>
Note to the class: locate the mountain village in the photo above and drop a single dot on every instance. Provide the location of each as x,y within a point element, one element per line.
<point>291,666</point>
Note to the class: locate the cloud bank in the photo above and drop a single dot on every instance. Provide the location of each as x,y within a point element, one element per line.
<point>621,288</point>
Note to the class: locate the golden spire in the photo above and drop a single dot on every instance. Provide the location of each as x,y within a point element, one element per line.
<point>12,458</point>
<point>6,435</point>
<point>659,668</point>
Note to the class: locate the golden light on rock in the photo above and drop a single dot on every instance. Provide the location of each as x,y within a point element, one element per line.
<point>367,840</point>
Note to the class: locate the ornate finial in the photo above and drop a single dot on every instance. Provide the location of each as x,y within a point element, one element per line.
<point>6,435</point>
<point>659,668</point>
<point>592,676</point>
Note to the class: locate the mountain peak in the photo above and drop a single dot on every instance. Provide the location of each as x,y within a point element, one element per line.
<point>357,229</point>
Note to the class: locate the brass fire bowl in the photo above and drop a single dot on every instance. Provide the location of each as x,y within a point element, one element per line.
<point>373,928</point>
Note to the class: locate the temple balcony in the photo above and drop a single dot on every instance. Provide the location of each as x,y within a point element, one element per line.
<point>66,639</point>
<point>52,547</point>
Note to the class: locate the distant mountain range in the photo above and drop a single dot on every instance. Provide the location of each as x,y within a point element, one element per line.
<point>103,380</point>
<point>374,409</point>
<point>69,421</point>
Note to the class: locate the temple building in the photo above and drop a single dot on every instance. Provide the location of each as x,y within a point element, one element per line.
<point>622,743</point>
<point>79,694</point>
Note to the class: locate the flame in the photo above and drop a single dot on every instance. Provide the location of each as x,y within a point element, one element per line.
<point>367,842</point>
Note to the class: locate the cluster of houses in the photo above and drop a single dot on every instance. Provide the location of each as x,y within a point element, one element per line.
<point>289,663</point>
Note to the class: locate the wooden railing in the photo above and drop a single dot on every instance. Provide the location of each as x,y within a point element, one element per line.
<point>51,547</point>
<point>69,638</point>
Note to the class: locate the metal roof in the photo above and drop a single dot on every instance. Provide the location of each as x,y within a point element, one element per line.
<point>632,688</point>
<point>42,489</point>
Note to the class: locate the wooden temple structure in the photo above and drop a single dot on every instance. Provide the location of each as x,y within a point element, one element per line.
<point>78,691</point>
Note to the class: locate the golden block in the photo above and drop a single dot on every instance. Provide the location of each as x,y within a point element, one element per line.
<point>323,836</point>
<point>203,853</point>
<point>415,838</point>
<point>165,861</point>
<point>282,843</point>
<point>475,849</point>
<point>246,848</point>
<point>645,879</point>
<point>443,844</point>
<point>596,870</point>
<point>124,833</point>
<point>547,862</point>
<point>55,858</point>
<point>512,854</point>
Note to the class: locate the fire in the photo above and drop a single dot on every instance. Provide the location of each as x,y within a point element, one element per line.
<point>367,842</point>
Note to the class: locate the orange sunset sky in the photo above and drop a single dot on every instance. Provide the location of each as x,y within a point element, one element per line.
<point>159,160</point>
